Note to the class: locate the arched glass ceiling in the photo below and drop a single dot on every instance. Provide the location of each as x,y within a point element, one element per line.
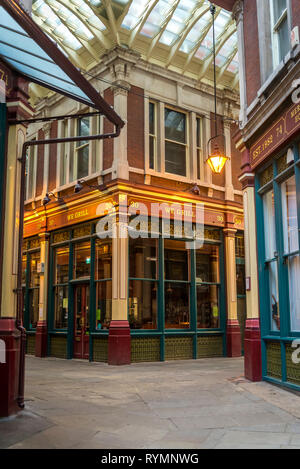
<point>176,34</point>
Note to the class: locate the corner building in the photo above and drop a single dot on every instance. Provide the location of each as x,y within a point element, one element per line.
<point>269,142</point>
<point>147,298</point>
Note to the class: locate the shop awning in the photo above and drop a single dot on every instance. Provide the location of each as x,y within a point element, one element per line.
<point>29,51</point>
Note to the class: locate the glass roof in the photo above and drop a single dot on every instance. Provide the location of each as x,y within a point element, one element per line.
<point>85,29</point>
<point>28,51</point>
<point>26,56</point>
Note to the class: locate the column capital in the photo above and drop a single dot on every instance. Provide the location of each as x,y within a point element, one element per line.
<point>247,179</point>
<point>44,236</point>
<point>238,11</point>
<point>229,232</point>
<point>47,128</point>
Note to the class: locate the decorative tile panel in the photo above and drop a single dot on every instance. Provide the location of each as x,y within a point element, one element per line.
<point>145,349</point>
<point>178,348</point>
<point>209,347</point>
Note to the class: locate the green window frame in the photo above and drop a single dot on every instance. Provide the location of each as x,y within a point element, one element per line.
<point>271,178</point>
<point>213,236</point>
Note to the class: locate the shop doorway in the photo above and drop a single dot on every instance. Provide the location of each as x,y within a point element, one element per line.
<point>82,323</point>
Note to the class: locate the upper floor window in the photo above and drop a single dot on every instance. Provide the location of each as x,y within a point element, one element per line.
<point>279,30</point>
<point>152,136</point>
<point>175,142</point>
<point>81,155</point>
<point>79,159</point>
<point>31,166</point>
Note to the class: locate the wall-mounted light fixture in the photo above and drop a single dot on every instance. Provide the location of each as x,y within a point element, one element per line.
<point>79,186</point>
<point>47,198</point>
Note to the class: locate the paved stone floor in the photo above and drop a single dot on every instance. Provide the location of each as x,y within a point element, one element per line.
<point>185,404</point>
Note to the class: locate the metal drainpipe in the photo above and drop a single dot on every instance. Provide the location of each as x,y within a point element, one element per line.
<point>19,319</point>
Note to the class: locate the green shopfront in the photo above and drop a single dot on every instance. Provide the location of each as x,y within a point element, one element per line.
<point>176,295</point>
<point>277,186</point>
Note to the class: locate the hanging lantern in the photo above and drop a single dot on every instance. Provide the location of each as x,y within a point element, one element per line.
<point>216,159</point>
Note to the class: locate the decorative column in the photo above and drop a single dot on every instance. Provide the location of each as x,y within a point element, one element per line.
<point>120,167</point>
<point>119,343</point>
<point>10,333</point>
<point>47,130</point>
<point>229,191</point>
<point>41,329</point>
<point>238,15</point>
<point>252,343</point>
<point>233,333</point>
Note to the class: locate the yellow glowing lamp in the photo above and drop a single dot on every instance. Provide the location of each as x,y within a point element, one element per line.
<point>216,160</point>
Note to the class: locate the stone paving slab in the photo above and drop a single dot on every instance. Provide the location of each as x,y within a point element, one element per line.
<point>195,404</point>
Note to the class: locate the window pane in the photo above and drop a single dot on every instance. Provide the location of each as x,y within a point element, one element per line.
<point>83,127</point>
<point>151,119</point>
<point>142,304</point>
<point>82,260</point>
<point>61,308</point>
<point>269,224</point>
<point>103,260</point>
<point>199,132</point>
<point>283,39</point>
<point>103,304</point>
<point>33,307</point>
<point>143,258</point>
<point>176,260</point>
<point>289,215</point>
<point>175,158</point>
<point>279,7</point>
<point>34,276</point>
<point>240,279</point>
<point>61,274</point>
<point>208,314</point>
<point>273,286</point>
<point>83,162</point>
<point>24,266</point>
<point>175,126</point>
<point>177,305</point>
<point>207,264</point>
<point>294,287</point>
<point>151,152</point>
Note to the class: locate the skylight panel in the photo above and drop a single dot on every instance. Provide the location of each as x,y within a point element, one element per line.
<point>135,11</point>
<point>88,13</point>
<point>150,29</point>
<point>96,3</point>
<point>233,67</point>
<point>72,20</point>
<point>168,38</point>
<point>46,14</point>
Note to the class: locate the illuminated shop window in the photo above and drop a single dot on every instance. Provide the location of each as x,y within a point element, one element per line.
<point>34,289</point>
<point>208,287</point>
<point>177,285</point>
<point>61,294</point>
<point>82,260</point>
<point>103,279</point>
<point>143,283</point>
